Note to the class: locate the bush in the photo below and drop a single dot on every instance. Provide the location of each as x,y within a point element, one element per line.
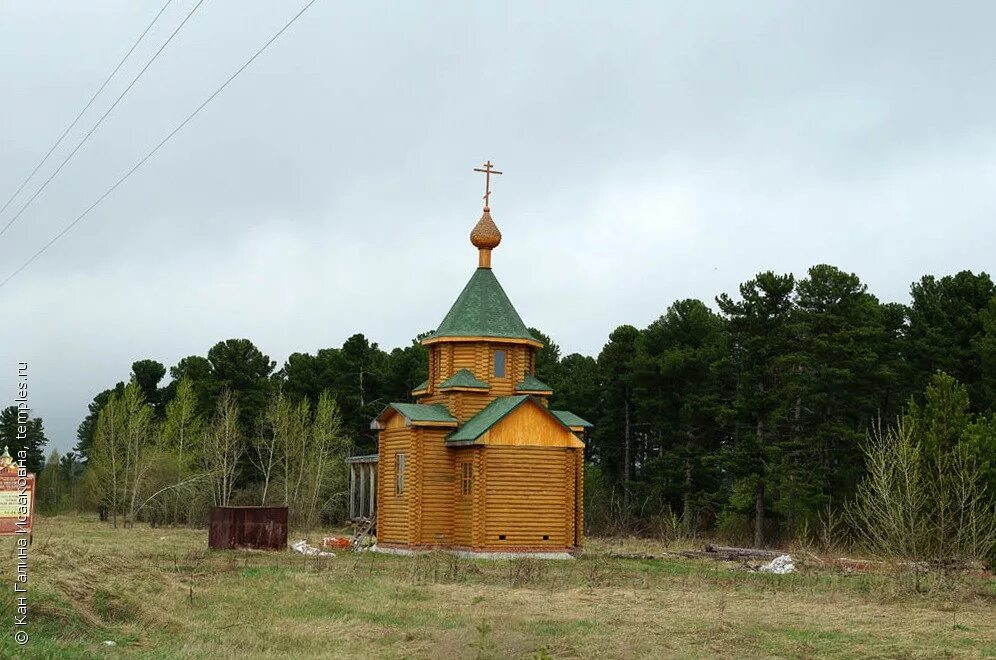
<point>919,504</point>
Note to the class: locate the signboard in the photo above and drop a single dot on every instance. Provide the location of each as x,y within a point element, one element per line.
<point>17,502</point>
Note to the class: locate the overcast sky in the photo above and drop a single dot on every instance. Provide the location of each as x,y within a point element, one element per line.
<point>652,152</point>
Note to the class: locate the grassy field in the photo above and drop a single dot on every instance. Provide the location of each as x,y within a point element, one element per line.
<point>159,593</point>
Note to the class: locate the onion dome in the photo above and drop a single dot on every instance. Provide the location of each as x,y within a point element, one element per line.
<point>485,237</point>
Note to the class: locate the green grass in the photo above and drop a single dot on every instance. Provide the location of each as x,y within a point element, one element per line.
<point>160,594</point>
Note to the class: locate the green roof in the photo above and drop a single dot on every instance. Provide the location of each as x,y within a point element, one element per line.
<point>421,412</point>
<point>483,310</point>
<point>424,385</point>
<point>532,384</point>
<point>570,419</point>
<point>463,378</point>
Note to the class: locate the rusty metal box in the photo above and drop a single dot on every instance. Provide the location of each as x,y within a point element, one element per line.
<point>263,527</point>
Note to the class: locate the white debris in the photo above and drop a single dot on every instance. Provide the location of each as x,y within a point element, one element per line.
<point>309,550</point>
<point>110,642</point>
<point>780,565</point>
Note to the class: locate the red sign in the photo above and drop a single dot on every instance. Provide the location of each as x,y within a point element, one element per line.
<point>17,502</point>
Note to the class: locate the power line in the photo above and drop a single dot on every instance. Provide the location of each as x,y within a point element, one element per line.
<point>85,107</point>
<point>166,139</point>
<point>102,118</point>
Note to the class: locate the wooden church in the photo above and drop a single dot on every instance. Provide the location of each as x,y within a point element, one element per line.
<point>480,463</point>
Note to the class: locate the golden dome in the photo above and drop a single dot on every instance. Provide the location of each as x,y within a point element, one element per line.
<point>485,235</point>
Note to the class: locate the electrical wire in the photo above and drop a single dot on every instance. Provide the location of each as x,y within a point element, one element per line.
<point>85,108</point>
<point>101,120</point>
<point>166,139</point>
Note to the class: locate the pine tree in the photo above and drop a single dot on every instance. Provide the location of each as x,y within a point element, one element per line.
<point>23,433</point>
<point>945,328</point>
<point>847,359</point>
<point>680,396</point>
<point>761,345</point>
<point>615,431</point>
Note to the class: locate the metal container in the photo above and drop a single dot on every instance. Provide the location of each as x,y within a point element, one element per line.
<point>263,527</point>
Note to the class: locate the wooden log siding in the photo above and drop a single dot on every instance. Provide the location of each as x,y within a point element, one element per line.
<point>479,514</point>
<point>579,498</point>
<point>392,510</point>
<point>526,498</point>
<point>463,505</point>
<point>465,357</point>
<point>414,488</point>
<point>569,489</point>
<point>467,404</point>
<point>437,491</point>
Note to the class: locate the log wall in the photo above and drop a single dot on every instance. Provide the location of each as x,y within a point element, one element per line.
<point>393,509</point>
<point>529,498</point>
<point>436,488</point>
<point>463,504</point>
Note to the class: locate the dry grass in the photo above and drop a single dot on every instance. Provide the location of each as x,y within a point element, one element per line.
<point>158,593</point>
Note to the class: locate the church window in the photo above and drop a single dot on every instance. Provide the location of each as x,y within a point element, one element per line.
<point>399,474</point>
<point>500,358</point>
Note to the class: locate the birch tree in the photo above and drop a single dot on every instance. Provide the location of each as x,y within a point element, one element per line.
<point>181,437</point>
<point>223,447</point>
<point>269,441</point>
<point>326,465</point>
<point>105,463</point>
<point>137,425</point>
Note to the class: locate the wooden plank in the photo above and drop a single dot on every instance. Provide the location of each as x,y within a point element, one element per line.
<point>373,491</point>
<point>352,492</point>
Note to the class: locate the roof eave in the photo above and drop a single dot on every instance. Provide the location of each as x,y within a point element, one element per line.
<point>435,424</point>
<point>436,339</point>
<point>461,443</point>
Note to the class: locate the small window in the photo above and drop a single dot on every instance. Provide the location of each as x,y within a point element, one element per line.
<point>468,478</point>
<point>500,358</point>
<point>399,474</point>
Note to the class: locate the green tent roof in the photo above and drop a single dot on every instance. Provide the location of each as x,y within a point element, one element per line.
<point>570,419</point>
<point>491,415</point>
<point>483,310</point>
<point>532,384</point>
<point>421,412</point>
<point>463,378</point>
<point>424,385</point>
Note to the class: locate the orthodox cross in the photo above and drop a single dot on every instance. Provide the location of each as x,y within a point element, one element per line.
<point>487,181</point>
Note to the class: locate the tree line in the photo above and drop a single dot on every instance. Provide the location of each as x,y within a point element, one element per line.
<point>749,417</point>
<point>292,454</point>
